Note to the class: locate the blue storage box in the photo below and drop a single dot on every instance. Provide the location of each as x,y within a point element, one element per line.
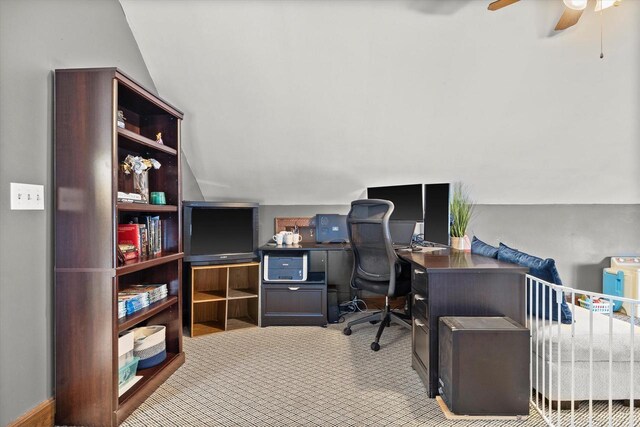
<point>613,284</point>
<point>128,371</point>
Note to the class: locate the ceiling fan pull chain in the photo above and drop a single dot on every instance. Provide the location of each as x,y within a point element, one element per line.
<point>601,25</point>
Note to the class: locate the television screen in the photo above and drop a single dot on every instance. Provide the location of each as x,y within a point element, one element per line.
<point>215,231</point>
<point>407,200</point>
<point>220,231</point>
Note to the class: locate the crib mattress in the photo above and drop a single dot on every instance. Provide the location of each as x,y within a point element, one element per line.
<point>600,342</point>
<point>590,379</point>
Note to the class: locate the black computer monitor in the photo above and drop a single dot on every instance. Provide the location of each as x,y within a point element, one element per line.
<point>436,213</point>
<point>407,200</point>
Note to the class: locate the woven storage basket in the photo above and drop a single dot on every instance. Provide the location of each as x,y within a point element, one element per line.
<point>149,345</point>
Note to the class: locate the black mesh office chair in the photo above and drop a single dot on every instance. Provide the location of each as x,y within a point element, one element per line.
<point>376,267</point>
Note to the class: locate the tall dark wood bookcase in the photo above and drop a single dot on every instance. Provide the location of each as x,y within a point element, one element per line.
<point>89,147</point>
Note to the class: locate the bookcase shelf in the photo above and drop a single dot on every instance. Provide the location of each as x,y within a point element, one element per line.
<point>145,207</point>
<point>132,137</point>
<point>89,149</point>
<point>142,315</point>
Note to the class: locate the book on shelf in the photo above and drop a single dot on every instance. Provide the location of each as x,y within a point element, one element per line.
<point>138,296</point>
<point>129,234</point>
<point>154,234</point>
<point>144,240</point>
<point>126,251</point>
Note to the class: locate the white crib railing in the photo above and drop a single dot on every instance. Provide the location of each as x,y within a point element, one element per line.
<point>545,334</point>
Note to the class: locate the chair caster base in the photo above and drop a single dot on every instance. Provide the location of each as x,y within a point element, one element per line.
<point>375,346</point>
<point>346,331</point>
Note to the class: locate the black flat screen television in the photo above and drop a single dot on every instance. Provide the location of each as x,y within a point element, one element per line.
<point>219,232</point>
<point>407,200</point>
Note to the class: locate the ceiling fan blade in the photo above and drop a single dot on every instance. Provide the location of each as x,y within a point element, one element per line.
<point>568,19</point>
<point>499,4</point>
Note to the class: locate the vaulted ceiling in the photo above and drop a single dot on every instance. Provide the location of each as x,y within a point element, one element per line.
<point>310,102</point>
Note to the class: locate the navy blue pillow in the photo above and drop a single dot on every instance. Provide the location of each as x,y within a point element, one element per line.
<point>544,269</point>
<point>481,248</point>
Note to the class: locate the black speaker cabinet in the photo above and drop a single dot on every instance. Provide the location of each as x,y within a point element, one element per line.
<point>484,366</point>
<point>333,310</point>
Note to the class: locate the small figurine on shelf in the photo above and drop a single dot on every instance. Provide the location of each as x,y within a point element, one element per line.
<point>159,138</point>
<point>120,120</point>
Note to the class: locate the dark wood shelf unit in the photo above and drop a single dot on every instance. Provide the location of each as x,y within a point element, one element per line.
<point>145,207</point>
<point>89,149</point>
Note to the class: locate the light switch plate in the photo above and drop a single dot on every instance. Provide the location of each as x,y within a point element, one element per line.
<point>27,197</point>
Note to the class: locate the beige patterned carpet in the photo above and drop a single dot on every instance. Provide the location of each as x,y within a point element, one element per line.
<point>304,376</point>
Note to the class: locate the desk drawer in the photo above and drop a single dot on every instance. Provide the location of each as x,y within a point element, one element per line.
<point>419,281</point>
<point>420,341</point>
<point>294,304</point>
<point>420,306</point>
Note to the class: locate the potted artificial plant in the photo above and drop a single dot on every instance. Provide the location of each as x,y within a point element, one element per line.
<point>461,209</point>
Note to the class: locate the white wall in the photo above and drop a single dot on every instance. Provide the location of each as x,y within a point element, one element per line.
<point>310,102</point>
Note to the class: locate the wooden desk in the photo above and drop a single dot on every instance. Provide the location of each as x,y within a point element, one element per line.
<point>451,283</point>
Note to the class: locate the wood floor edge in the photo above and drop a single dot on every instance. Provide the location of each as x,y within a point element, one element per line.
<point>451,416</point>
<point>40,416</point>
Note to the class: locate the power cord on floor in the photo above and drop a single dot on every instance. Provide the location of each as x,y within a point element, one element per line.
<point>356,305</point>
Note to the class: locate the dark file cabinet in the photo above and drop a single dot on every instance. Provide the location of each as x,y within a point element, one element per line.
<point>295,303</point>
<point>484,366</point>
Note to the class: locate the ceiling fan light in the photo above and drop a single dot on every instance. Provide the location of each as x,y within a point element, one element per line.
<point>577,4</point>
<point>604,4</point>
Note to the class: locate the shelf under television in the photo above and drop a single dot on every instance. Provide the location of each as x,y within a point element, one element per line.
<point>142,315</point>
<point>203,328</point>
<point>242,293</point>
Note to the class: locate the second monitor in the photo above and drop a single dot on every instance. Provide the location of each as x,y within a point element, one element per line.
<point>407,200</point>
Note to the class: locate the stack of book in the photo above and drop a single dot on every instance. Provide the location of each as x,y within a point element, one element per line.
<point>133,301</point>
<point>155,292</point>
<point>122,308</point>
<point>145,238</point>
<point>137,297</point>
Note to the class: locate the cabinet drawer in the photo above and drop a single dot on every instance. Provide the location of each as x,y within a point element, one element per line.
<point>419,281</point>
<point>294,304</point>
<point>420,341</point>
<point>420,306</point>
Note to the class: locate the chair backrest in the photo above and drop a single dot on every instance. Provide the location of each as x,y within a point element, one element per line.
<point>374,258</point>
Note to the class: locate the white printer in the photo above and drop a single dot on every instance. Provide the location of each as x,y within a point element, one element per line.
<point>630,266</point>
<point>285,267</point>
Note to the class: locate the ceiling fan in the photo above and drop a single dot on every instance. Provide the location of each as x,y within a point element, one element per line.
<point>572,10</point>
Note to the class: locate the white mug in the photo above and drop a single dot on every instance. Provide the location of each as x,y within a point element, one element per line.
<point>297,238</point>
<point>288,238</point>
<point>278,238</point>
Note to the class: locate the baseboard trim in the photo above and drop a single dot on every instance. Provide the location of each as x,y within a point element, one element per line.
<point>40,416</point>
